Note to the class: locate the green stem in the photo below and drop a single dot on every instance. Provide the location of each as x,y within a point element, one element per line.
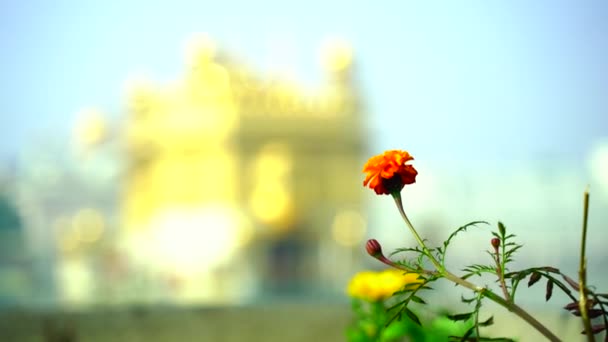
<point>516,309</point>
<point>582,273</point>
<point>501,274</point>
<point>397,198</point>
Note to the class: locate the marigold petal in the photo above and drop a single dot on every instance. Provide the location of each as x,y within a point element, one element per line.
<point>381,169</point>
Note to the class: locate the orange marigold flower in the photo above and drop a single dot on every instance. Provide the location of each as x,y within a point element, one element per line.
<point>388,173</point>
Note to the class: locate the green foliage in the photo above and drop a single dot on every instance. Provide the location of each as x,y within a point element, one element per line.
<point>477,270</point>
<point>401,319</point>
<point>373,323</point>
<point>443,250</point>
<point>415,265</point>
<point>507,246</point>
<point>407,295</point>
<point>472,333</point>
<point>598,303</point>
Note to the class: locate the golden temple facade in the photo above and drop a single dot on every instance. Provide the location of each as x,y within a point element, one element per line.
<point>225,164</point>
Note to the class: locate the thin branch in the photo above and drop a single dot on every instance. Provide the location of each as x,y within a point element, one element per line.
<point>582,273</point>
<point>501,277</point>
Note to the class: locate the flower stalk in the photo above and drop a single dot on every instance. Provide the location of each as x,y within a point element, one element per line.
<point>500,272</point>
<point>582,273</point>
<point>387,174</point>
<point>516,309</point>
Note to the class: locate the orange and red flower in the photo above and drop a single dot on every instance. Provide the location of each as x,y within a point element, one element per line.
<point>388,173</point>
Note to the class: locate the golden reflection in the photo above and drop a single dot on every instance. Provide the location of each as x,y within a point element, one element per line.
<point>336,54</point>
<point>348,228</point>
<point>271,199</point>
<point>199,47</point>
<point>90,128</point>
<point>270,202</point>
<point>88,224</point>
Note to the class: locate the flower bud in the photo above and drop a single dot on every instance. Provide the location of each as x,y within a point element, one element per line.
<point>373,248</point>
<point>495,243</point>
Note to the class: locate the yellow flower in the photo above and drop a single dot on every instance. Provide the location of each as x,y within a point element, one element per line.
<point>376,286</point>
<point>388,172</point>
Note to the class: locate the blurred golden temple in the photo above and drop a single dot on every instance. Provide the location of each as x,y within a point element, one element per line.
<point>232,180</point>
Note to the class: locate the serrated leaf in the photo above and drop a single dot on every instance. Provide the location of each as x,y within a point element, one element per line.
<point>446,243</point>
<point>513,250</point>
<point>466,276</point>
<point>534,278</point>
<point>400,292</point>
<point>400,303</point>
<point>549,291</point>
<point>571,282</point>
<point>549,269</point>
<point>592,313</point>
<point>412,315</point>
<point>467,300</point>
<point>460,317</point>
<point>595,329</point>
<point>411,287</point>
<point>468,333</point>
<point>487,322</point>
<point>572,306</point>
<point>516,275</point>
<point>407,249</point>
<point>501,228</point>
<point>417,299</point>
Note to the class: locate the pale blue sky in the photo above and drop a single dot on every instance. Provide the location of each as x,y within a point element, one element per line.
<point>462,79</point>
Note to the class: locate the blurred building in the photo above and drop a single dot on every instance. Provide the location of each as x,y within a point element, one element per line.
<point>14,264</point>
<point>234,184</point>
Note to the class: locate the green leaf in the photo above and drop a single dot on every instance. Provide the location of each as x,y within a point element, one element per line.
<point>466,335</point>
<point>412,315</point>
<point>400,303</point>
<point>487,322</point>
<point>411,286</point>
<point>417,299</point>
<point>478,270</point>
<point>461,317</point>
<point>549,269</point>
<point>446,243</point>
<point>407,249</point>
<point>467,300</point>
<point>395,330</point>
<point>502,229</point>
<point>549,292</point>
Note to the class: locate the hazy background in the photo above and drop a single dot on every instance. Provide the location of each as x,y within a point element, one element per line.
<point>503,105</point>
